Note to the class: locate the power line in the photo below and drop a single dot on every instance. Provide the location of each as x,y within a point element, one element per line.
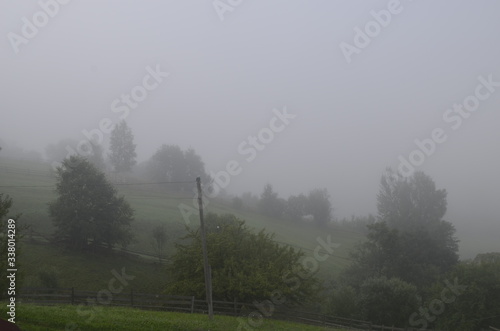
<point>116,184</point>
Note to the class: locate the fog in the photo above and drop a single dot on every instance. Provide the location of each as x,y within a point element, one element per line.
<point>356,101</point>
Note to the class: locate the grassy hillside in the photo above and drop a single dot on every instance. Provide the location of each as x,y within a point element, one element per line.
<point>51,318</point>
<point>87,271</point>
<point>31,185</point>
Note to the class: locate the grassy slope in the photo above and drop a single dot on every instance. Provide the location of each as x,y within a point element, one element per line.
<point>37,318</point>
<point>152,207</point>
<point>90,271</point>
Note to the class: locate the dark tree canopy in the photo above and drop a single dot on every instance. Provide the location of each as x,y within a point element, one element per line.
<point>410,241</point>
<point>475,295</point>
<point>122,148</point>
<point>88,209</point>
<point>245,265</point>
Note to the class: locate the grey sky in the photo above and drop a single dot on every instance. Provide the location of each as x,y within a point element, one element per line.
<point>226,77</point>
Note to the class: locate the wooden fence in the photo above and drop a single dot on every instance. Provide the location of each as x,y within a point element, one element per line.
<point>188,304</point>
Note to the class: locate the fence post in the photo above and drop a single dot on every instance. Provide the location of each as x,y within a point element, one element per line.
<point>72,296</point>
<point>234,307</point>
<point>131,297</point>
<point>192,304</point>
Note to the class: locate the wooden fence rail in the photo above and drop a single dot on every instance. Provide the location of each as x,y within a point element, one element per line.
<point>188,304</point>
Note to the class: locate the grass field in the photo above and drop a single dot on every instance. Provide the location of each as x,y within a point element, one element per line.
<point>51,318</point>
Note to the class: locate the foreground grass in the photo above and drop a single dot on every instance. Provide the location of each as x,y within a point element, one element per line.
<point>37,318</point>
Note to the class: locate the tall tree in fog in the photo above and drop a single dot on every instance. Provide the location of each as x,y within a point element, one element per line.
<point>122,148</point>
<point>88,209</point>
<point>414,206</point>
<point>194,165</point>
<point>410,203</point>
<point>270,204</point>
<point>410,241</point>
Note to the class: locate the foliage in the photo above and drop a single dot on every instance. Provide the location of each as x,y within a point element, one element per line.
<point>269,203</point>
<point>48,278</point>
<point>88,209</point>
<point>477,304</point>
<point>416,257</point>
<point>409,204</point>
<point>171,163</point>
<point>122,148</point>
<point>245,265</point>
<point>318,205</point>
<point>343,301</point>
<point>296,207</point>
<point>410,241</point>
<point>387,301</point>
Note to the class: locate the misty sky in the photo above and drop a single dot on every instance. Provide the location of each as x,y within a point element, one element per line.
<point>226,77</point>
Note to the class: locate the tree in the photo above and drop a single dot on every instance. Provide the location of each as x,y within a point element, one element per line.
<point>88,209</point>
<point>387,301</point>
<point>296,207</point>
<point>270,204</point>
<point>122,148</point>
<point>472,297</point>
<point>245,265</point>
<point>167,164</point>
<point>411,203</point>
<point>194,166</point>
<point>413,257</point>
<point>318,205</point>
<point>171,163</point>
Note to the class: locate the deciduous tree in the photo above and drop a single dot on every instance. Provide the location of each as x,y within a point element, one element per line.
<point>88,209</point>
<point>245,265</point>
<point>122,148</point>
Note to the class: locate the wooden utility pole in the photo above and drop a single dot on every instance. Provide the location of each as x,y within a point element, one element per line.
<point>206,266</point>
